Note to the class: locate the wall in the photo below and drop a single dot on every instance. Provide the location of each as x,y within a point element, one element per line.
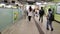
<point>56,0</point>
<point>57,16</point>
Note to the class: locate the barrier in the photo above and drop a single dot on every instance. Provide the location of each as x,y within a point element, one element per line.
<point>17,13</point>
<point>8,16</point>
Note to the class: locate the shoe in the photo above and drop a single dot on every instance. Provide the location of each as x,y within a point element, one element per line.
<point>52,29</point>
<point>39,19</point>
<point>41,22</point>
<point>47,28</point>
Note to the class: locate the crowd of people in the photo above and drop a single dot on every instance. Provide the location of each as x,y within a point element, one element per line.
<point>40,13</point>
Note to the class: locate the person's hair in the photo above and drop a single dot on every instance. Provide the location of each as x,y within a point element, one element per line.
<point>34,10</point>
<point>49,9</point>
<point>30,9</point>
<point>37,8</point>
<point>41,7</point>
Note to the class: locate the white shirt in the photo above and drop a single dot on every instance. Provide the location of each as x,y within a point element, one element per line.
<point>37,15</point>
<point>30,13</point>
<point>37,12</point>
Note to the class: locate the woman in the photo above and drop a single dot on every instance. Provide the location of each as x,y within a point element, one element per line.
<point>29,13</point>
<point>37,13</point>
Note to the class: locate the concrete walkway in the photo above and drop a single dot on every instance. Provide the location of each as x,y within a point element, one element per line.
<point>56,27</point>
<point>23,27</point>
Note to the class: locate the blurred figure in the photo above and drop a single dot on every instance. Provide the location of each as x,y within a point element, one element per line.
<point>30,13</point>
<point>41,14</point>
<point>36,12</point>
<point>50,18</point>
<point>33,13</point>
<point>25,13</point>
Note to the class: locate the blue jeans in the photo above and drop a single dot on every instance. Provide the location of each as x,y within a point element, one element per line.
<point>49,23</point>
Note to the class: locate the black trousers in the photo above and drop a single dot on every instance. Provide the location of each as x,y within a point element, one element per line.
<point>29,18</point>
<point>49,23</point>
<point>41,18</point>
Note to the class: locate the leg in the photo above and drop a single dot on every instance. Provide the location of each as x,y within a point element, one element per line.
<point>51,25</point>
<point>41,19</point>
<point>29,18</point>
<point>47,25</point>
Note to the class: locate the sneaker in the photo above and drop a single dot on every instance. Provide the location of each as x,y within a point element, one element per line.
<point>39,19</point>
<point>52,29</point>
<point>47,28</point>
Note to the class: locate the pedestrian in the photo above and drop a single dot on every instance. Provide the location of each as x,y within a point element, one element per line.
<point>36,13</point>
<point>41,14</point>
<point>29,13</point>
<point>50,18</point>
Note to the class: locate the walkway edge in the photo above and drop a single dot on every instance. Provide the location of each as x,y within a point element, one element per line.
<point>39,28</point>
<point>57,21</point>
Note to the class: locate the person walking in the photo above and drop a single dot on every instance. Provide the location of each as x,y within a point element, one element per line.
<point>41,14</point>
<point>50,18</point>
<point>36,13</point>
<point>30,13</point>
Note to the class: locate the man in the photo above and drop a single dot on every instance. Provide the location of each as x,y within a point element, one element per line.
<point>50,18</point>
<point>41,14</point>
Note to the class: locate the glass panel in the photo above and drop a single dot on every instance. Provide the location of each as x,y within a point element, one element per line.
<point>6,18</point>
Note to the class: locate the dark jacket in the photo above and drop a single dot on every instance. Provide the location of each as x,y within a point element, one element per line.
<point>41,12</point>
<point>51,16</point>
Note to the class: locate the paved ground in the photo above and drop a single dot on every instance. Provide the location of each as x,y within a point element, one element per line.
<point>23,27</point>
<point>56,27</point>
<point>26,27</point>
